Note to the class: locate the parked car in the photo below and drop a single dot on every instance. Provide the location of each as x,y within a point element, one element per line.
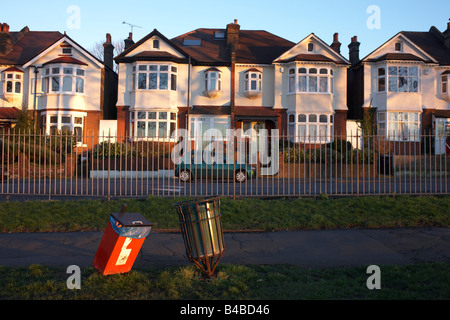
<point>240,172</point>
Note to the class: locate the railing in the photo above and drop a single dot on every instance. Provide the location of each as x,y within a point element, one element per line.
<point>106,167</point>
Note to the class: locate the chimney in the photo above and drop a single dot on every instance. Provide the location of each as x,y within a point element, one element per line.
<point>129,41</point>
<point>354,50</point>
<point>446,35</point>
<point>108,56</point>
<point>5,39</point>
<point>233,35</point>
<point>336,45</point>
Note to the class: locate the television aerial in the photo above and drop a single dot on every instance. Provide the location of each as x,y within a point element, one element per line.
<point>131,25</point>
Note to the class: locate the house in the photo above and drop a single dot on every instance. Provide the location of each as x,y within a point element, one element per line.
<point>51,76</point>
<point>405,83</point>
<point>228,78</point>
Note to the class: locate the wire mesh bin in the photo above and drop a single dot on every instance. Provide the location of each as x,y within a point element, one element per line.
<point>201,227</point>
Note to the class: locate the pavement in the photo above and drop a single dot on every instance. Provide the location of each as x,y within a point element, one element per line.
<point>310,249</point>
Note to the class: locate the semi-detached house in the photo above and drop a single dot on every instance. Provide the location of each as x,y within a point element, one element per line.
<point>405,82</point>
<point>229,78</point>
<point>51,76</point>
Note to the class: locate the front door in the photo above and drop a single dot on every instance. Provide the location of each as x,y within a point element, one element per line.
<point>442,135</point>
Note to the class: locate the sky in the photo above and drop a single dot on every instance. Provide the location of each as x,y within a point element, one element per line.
<point>372,21</point>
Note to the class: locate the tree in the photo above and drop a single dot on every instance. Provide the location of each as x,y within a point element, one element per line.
<point>98,51</point>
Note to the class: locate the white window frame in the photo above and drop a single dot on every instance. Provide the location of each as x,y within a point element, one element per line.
<point>250,78</point>
<point>58,74</point>
<point>310,75</point>
<point>393,74</point>
<point>308,127</point>
<point>16,80</point>
<point>380,78</point>
<point>213,76</point>
<point>143,72</point>
<point>146,117</point>
<point>399,126</point>
<point>73,124</point>
<point>444,84</point>
<point>196,126</point>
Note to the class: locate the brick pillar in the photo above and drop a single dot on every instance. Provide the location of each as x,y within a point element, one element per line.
<point>123,120</point>
<point>340,123</point>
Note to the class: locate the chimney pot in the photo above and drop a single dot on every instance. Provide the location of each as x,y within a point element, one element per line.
<point>108,38</point>
<point>336,37</point>
<point>235,21</point>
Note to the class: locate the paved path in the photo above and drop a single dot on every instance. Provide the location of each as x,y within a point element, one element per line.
<point>315,249</point>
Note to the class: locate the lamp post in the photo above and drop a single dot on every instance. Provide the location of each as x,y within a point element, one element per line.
<point>201,227</point>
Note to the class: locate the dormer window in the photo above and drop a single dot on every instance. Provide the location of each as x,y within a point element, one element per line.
<point>213,83</point>
<point>310,47</point>
<point>253,83</point>
<point>398,46</point>
<point>156,44</point>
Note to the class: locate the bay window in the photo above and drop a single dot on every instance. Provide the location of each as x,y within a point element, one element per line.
<point>399,126</point>
<point>55,122</point>
<point>201,124</point>
<point>310,128</point>
<point>154,77</point>
<point>12,81</point>
<point>152,124</point>
<point>213,82</point>
<point>64,79</point>
<point>403,79</point>
<point>252,83</point>
<point>310,80</point>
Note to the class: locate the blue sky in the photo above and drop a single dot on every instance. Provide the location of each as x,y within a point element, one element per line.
<point>373,21</point>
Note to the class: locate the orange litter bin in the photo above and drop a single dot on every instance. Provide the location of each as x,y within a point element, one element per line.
<point>121,242</point>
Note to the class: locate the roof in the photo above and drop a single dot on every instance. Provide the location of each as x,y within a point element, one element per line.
<point>432,43</point>
<point>398,56</point>
<point>27,45</point>
<point>153,56</point>
<point>255,46</point>
<point>311,57</point>
<point>9,113</point>
<point>67,59</point>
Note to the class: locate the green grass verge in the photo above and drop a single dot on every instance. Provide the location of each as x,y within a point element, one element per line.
<point>428,281</point>
<point>246,214</point>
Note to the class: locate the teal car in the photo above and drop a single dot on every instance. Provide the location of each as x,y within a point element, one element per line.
<point>190,171</point>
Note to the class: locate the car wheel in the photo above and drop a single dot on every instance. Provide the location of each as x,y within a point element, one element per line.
<point>240,176</point>
<point>185,175</point>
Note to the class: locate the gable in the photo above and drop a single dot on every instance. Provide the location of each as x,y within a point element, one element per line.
<point>146,50</point>
<point>409,51</point>
<point>321,52</point>
<point>164,48</point>
<point>55,51</point>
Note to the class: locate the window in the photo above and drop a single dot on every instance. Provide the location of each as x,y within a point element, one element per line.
<point>252,83</point>
<point>156,44</point>
<point>311,80</point>
<point>310,128</point>
<point>192,42</point>
<point>444,83</point>
<point>65,79</point>
<point>310,47</point>
<point>153,124</point>
<point>200,125</point>
<point>398,46</point>
<point>12,81</point>
<point>57,122</point>
<point>381,80</point>
<point>154,77</point>
<point>67,50</point>
<point>213,82</point>
<point>398,126</point>
<point>403,79</point>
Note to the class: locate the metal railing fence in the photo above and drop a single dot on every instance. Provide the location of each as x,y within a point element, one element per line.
<point>104,166</point>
